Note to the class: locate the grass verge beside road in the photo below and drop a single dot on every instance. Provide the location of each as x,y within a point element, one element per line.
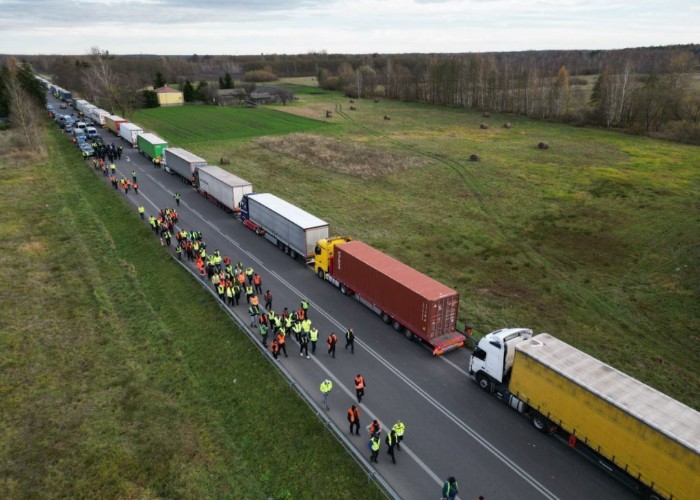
<point>120,377</point>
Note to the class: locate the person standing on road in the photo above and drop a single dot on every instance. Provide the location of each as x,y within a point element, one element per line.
<point>268,300</point>
<point>142,211</point>
<point>359,387</point>
<point>257,282</point>
<point>133,175</point>
<point>249,272</point>
<point>305,308</point>
<point>354,419</point>
<point>374,447</point>
<point>177,198</point>
<point>390,441</point>
<point>326,387</point>
<point>136,187</point>
<point>178,251</point>
<point>253,313</point>
<point>450,489</point>
<point>332,341</point>
<point>275,348</point>
<point>350,340</point>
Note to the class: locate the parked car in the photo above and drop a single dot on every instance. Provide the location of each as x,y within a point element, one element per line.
<point>86,149</point>
<point>68,129</point>
<point>63,105</point>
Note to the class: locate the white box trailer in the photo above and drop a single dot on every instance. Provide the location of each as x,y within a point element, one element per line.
<point>97,115</point>
<point>79,105</point>
<point>182,162</point>
<point>289,227</point>
<point>129,132</point>
<point>224,187</point>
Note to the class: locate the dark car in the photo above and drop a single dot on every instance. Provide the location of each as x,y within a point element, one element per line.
<point>86,149</point>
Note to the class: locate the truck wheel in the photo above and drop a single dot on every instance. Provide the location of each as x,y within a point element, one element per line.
<point>397,326</point>
<point>484,382</point>
<point>540,422</point>
<point>286,249</point>
<point>343,289</point>
<point>321,274</point>
<point>386,318</point>
<point>280,245</point>
<point>409,334</point>
<point>292,254</point>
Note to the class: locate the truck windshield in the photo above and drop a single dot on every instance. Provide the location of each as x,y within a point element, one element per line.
<point>479,354</point>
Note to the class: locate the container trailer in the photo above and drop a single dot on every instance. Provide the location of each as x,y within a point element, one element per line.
<point>97,115</point>
<point>414,304</point>
<point>645,438</point>
<point>222,187</point>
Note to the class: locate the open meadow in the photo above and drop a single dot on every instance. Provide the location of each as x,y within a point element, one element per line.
<point>594,240</point>
<point>121,378</point>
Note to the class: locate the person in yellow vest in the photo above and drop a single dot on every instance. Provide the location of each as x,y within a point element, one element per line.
<point>326,387</point>
<point>399,428</point>
<point>374,447</point>
<point>313,336</point>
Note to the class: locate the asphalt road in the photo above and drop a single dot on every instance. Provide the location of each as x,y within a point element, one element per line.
<point>452,427</point>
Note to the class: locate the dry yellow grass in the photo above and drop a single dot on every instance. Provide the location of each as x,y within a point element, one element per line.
<point>345,157</point>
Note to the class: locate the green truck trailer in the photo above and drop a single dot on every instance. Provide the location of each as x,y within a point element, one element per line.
<point>150,145</point>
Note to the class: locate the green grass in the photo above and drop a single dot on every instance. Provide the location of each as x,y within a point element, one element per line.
<point>183,125</point>
<point>594,240</point>
<point>121,377</point>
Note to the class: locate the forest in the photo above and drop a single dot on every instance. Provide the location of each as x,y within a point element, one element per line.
<point>650,90</point>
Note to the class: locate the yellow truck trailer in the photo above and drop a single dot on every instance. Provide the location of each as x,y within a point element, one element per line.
<point>644,437</point>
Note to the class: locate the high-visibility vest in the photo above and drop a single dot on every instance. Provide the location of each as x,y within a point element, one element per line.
<point>254,300</point>
<point>353,416</point>
<point>263,329</point>
<point>220,289</point>
<point>296,327</point>
<point>359,382</point>
<point>280,338</point>
<point>253,311</point>
<point>256,279</point>
<point>249,271</point>
<point>229,292</point>
<point>304,305</point>
<point>306,325</point>
<point>249,290</point>
<point>399,428</point>
<point>332,339</point>
<point>375,443</point>
<point>326,386</point>
<point>313,334</point>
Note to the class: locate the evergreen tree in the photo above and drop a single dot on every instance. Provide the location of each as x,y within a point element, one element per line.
<point>27,79</point>
<point>199,93</point>
<point>159,80</point>
<point>4,100</point>
<point>188,92</point>
<point>150,99</point>
<point>227,81</point>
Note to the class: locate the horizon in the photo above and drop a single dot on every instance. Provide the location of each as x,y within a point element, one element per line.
<point>295,27</point>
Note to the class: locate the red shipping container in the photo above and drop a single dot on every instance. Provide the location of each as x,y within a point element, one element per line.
<point>425,306</point>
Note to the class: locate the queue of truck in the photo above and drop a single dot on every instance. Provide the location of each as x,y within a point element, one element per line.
<point>643,437</point>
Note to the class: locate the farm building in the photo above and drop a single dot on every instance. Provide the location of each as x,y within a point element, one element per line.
<point>261,97</point>
<point>168,96</point>
<point>230,96</point>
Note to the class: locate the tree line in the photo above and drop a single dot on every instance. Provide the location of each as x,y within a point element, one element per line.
<point>646,90</point>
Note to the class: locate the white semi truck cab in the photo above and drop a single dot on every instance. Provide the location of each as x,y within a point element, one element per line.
<point>491,362</point>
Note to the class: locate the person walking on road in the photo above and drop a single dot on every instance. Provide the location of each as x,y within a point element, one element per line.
<point>263,334</point>
<point>257,282</point>
<point>350,340</point>
<point>313,336</point>
<point>399,429</point>
<point>326,387</point>
<point>281,340</point>
<point>177,198</point>
<point>450,489</point>
<point>275,348</point>
<point>142,212</point>
<point>268,300</point>
<point>133,175</point>
<point>354,419</point>
<point>390,441</point>
<point>374,447</point>
<point>375,428</point>
<point>359,387</point>
<point>305,308</point>
<point>303,343</point>
<point>332,341</point>
<point>253,313</point>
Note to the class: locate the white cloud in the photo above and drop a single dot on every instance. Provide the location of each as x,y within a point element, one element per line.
<point>350,26</point>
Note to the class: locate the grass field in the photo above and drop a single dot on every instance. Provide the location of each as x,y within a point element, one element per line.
<point>594,240</point>
<point>190,124</point>
<point>121,378</point>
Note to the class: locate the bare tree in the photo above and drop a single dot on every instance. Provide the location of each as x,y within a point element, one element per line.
<point>24,113</point>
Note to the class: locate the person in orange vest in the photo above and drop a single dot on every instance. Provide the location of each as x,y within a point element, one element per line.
<point>359,387</point>
<point>375,428</point>
<point>275,348</point>
<point>136,187</point>
<point>332,341</point>
<point>354,419</point>
<point>281,342</point>
<point>257,281</point>
<point>268,300</point>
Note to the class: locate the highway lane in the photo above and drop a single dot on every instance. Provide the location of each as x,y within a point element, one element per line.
<point>452,427</point>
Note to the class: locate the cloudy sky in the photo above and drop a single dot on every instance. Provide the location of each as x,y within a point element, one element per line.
<point>345,26</point>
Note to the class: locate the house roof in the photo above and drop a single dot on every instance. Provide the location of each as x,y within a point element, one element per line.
<point>167,90</point>
<point>260,95</point>
<point>231,92</point>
